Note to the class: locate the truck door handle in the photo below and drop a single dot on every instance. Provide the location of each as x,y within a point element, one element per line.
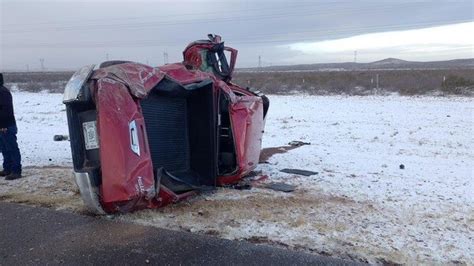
<point>134,140</point>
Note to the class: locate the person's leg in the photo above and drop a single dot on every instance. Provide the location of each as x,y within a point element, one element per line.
<point>13,152</point>
<point>6,155</point>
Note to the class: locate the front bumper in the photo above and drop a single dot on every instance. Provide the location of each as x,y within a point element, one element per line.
<point>89,192</point>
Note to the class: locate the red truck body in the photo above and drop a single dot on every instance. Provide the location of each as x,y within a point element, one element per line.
<point>144,137</point>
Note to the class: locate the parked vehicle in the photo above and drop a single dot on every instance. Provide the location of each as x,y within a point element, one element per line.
<point>144,137</point>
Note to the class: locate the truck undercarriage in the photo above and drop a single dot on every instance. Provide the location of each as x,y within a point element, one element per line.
<point>143,137</point>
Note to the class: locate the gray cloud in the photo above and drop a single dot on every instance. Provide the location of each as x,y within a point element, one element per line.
<point>68,34</point>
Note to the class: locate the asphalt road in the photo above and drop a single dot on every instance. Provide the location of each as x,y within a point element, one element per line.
<point>39,236</point>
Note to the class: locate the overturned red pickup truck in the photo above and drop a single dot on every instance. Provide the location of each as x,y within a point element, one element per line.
<point>144,137</point>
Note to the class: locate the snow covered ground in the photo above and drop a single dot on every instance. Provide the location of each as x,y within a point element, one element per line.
<point>39,117</point>
<point>360,206</point>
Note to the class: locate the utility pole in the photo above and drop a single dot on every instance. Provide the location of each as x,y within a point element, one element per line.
<point>107,56</point>
<point>27,68</point>
<point>355,56</point>
<point>42,64</point>
<point>259,61</point>
<point>377,80</point>
<point>165,57</point>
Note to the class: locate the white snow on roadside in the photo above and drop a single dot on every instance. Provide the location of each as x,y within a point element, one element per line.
<point>358,145</point>
<point>362,141</point>
<point>39,117</point>
<point>360,206</point>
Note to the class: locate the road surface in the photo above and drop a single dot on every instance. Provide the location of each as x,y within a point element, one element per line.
<point>33,235</point>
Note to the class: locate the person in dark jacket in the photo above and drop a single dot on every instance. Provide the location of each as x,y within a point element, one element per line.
<point>8,141</point>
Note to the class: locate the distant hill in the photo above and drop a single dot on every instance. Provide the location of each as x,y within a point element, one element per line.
<point>390,61</point>
<point>385,64</point>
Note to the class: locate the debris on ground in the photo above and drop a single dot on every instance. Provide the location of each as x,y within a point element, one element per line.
<point>60,137</point>
<point>283,187</point>
<point>253,174</point>
<point>297,143</point>
<point>266,153</point>
<point>298,172</point>
<point>402,166</point>
<point>244,185</point>
<point>250,180</point>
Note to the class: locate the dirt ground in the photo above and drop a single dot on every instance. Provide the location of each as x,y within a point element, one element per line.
<point>51,187</point>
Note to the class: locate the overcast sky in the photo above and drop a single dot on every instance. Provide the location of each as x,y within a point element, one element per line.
<point>70,33</point>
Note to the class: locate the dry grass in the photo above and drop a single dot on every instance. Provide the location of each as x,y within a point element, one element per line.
<point>362,82</point>
<point>357,82</point>
<point>38,81</point>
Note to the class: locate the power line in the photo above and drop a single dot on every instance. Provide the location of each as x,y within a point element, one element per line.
<point>327,33</point>
<point>173,16</point>
<point>259,17</point>
<point>226,13</point>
